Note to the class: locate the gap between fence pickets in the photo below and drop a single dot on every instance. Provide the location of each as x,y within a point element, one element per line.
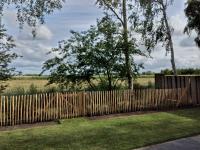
<point>46,107</point>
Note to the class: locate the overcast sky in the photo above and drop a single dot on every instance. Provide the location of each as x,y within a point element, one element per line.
<point>79,15</point>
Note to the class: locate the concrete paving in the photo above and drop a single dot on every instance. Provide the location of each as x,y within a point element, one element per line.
<point>192,143</point>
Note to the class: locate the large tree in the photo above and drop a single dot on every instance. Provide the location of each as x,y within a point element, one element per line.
<point>31,12</point>
<point>126,15</point>
<point>192,12</point>
<point>156,27</point>
<point>96,52</point>
<point>6,57</point>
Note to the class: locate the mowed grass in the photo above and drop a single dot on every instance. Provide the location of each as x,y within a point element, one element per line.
<point>122,133</point>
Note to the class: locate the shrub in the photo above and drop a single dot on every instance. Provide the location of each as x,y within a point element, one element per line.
<point>15,91</point>
<point>32,89</point>
<point>150,85</point>
<point>51,90</point>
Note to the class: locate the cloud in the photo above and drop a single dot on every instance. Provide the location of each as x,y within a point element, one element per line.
<point>33,53</point>
<point>178,22</point>
<point>79,15</point>
<point>187,42</point>
<point>42,33</point>
<point>10,19</point>
<point>185,57</point>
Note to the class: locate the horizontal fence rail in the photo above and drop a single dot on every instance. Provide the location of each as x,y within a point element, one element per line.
<point>25,109</point>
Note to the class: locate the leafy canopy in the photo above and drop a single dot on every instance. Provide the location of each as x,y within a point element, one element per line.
<point>192,12</point>
<point>95,52</point>
<point>155,25</point>
<point>32,12</point>
<point>6,57</point>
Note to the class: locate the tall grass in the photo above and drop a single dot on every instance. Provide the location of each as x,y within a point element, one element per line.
<point>21,85</point>
<point>33,89</point>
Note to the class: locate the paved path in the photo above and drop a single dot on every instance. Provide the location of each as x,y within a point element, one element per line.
<point>192,143</point>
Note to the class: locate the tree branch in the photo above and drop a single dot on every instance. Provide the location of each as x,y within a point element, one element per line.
<point>113,10</point>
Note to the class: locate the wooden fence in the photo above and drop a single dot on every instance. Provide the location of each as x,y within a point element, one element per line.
<point>191,83</point>
<point>25,109</point>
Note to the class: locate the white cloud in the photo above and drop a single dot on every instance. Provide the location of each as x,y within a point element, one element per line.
<point>44,33</point>
<point>79,15</point>
<point>178,22</point>
<point>187,42</point>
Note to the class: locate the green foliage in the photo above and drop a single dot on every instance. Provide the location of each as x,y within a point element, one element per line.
<point>155,23</point>
<point>103,85</point>
<point>192,12</point>
<point>150,85</point>
<point>148,73</point>
<point>31,12</point>
<point>166,72</point>
<point>187,71</point>
<point>156,28</point>
<point>15,91</point>
<point>126,14</point>
<point>32,89</point>
<point>30,77</point>
<point>6,57</point>
<point>96,52</point>
<point>51,90</point>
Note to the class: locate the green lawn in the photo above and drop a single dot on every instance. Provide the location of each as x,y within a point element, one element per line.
<point>122,133</point>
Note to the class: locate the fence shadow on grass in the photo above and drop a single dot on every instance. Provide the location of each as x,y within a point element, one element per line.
<point>190,113</point>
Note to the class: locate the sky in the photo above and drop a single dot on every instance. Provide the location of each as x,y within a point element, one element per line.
<point>78,15</point>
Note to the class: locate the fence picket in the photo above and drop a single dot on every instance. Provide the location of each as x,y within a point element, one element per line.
<point>46,107</point>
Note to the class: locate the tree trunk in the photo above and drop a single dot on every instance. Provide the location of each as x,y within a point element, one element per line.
<point>170,40</point>
<point>126,47</point>
<point>109,76</point>
<point>110,84</point>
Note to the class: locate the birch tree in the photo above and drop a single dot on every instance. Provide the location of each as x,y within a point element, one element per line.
<point>126,15</point>
<point>156,26</point>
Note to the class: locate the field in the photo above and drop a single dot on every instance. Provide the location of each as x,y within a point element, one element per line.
<point>16,84</point>
<point>145,80</point>
<point>121,133</point>
<point>40,82</point>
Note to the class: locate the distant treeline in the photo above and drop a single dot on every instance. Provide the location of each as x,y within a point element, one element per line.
<point>187,71</point>
<point>31,76</point>
<point>147,73</point>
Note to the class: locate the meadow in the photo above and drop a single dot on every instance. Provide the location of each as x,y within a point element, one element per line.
<point>23,83</point>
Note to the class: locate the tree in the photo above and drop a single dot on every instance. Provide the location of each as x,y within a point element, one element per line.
<point>126,14</point>
<point>32,12</point>
<point>6,57</point>
<point>96,52</point>
<point>156,27</point>
<point>192,12</point>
